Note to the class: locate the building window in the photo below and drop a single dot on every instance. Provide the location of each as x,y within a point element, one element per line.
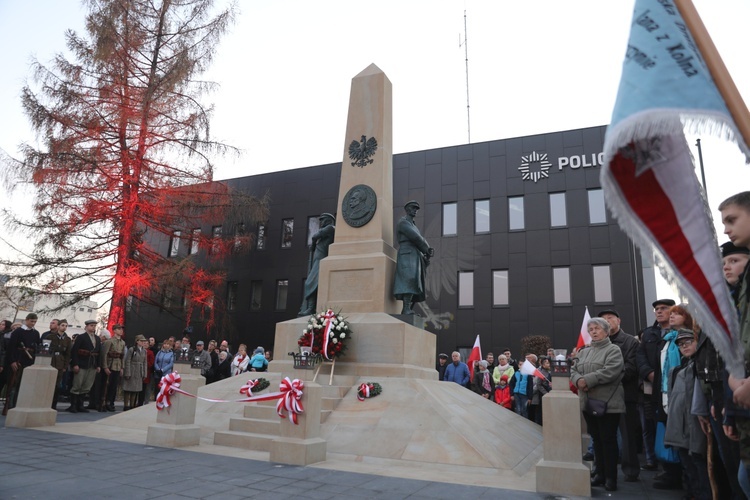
<point>256,292</point>
<point>515,214</point>
<point>313,225</point>
<point>174,243</point>
<point>558,216</point>
<point>231,295</point>
<point>260,243</point>
<point>129,303</point>
<point>602,284</point>
<point>184,300</point>
<point>561,284</point>
<point>195,238</point>
<point>282,287</point>
<point>466,289</point>
<point>450,219</point>
<point>287,231</point>
<point>239,237</point>
<point>216,239</point>
<point>500,288</point>
<point>482,216</point>
<point>597,212</point>
<point>166,299</point>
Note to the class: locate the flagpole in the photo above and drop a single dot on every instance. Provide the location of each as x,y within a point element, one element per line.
<point>718,70</point>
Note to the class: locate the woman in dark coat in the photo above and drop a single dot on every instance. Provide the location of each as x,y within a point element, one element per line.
<point>597,373</point>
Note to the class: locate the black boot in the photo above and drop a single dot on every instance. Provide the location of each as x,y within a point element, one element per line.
<point>73,403</point>
<point>54,398</point>
<point>81,408</point>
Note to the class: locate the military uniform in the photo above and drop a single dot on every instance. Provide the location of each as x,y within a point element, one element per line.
<point>22,346</point>
<point>113,351</point>
<point>85,356</point>
<point>59,348</point>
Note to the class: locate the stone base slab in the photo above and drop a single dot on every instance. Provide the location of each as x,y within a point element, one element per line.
<point>298,451</point>
<point>30,417</point>
<point>173,436</point>
<point>563,478</point>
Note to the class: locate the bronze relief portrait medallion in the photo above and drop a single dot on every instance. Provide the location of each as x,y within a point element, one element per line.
<point>359,205</point>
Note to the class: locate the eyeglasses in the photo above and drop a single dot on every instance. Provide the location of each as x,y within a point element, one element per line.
<point>685,343</point>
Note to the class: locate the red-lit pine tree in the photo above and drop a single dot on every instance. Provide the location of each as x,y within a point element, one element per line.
<point>125,160</point>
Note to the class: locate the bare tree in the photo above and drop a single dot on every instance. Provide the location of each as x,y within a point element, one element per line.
<point>125,157</point>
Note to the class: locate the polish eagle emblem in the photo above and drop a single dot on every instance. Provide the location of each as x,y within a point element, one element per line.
<point>360,152</point>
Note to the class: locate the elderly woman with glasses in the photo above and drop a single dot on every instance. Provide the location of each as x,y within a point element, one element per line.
<point>597,373</point>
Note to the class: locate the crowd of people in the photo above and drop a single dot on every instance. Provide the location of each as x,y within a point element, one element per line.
<point>92,369</point>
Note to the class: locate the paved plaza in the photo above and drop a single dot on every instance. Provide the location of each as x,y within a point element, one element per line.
<point>51,464</point>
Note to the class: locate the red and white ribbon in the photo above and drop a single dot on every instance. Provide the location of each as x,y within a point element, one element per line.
<point>363,392</point>
<point>168,385</point>
<point>290,400</point>
<point>327,332</point>
<point>289,395</point>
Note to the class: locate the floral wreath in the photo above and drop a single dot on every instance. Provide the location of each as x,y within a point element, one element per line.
<point>326,334</point>
<point>368,390</point>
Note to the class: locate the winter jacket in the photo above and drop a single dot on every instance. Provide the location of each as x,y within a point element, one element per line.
<point>457,373</point>
<point>683,428</point>
<point>601,366</point>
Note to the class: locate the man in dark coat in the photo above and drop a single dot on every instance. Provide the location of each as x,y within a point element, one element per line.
<point>59,350</point>
<point>630,382</point>
<point>649,370</point>
<point>413,258</point>
<point>21,354</point>
<point>85,360</point>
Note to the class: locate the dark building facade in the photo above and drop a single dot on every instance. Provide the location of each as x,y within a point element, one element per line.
<point>522,241</point>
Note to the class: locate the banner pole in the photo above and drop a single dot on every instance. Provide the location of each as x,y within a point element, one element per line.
<point>718,70</point>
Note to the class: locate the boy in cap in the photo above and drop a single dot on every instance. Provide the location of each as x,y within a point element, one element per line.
<point>442,365</point>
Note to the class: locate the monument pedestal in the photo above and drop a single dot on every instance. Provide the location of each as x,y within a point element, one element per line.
<point>561,471</point>
<point>34,404</point>
<point>175,426</point>
<point>301,444</point>
<point>380,346</point>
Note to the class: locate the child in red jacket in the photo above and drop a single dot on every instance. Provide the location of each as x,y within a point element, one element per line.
<point>502,393</point>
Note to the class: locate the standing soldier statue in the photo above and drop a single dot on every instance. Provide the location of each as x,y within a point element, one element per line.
<point>414,255</point>
<point>321,240</point>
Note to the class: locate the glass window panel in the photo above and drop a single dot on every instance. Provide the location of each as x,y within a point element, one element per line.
<point>450,219</point>
<point>515,214</point>
<point>261,241</point>
<point>482,216</point>
<point>256,291</point>
<point>561,284</point>
<point>557,211</point>
<point>195,237</point>
<point>282,287</point>
<point>602,284</point>
<point>287,232</point>
<point>239,237</point>
<point>216,239</point>
<point>174,243</point>
<point>466,289</point>
<point>313,224</point>
<point>500,288</point>
<point>231,295</point>
<point>597,212</point>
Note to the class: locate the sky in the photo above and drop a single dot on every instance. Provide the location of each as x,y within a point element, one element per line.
<point>285,71</point>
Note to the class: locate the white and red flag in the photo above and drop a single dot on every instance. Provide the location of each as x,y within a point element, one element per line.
<point>669,81</point>
<point>476,355</point>
<point>528,368</point>
<point>583,337</point>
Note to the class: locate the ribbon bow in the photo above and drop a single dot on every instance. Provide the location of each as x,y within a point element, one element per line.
<point>327,331</point>
<point>363,392</point>
<point>167,386</point>
<point>290,400</point>
<point>247,389</point>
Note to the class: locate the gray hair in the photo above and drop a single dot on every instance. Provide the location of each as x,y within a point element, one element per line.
<point>601,322</point>
<point>484,363</point>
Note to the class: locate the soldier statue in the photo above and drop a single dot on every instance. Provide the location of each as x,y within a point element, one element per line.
<point>321,240</point>
<point>414,255</point>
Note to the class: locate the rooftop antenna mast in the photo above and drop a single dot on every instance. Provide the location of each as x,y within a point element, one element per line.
<point>465,45</point>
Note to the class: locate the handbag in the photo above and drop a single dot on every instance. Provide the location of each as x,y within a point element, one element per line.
<point>663,452</point>
<point>597,407</point>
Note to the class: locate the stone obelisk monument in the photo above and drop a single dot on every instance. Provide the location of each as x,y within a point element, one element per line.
<point>357,275</point>
<point>356,279</point>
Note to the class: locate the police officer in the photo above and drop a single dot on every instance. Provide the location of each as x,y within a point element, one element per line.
<point>85,360</point>
<point>59,348</point>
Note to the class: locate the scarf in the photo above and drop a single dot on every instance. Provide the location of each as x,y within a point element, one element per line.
<point>486,381</point>
<point>672,358</point>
